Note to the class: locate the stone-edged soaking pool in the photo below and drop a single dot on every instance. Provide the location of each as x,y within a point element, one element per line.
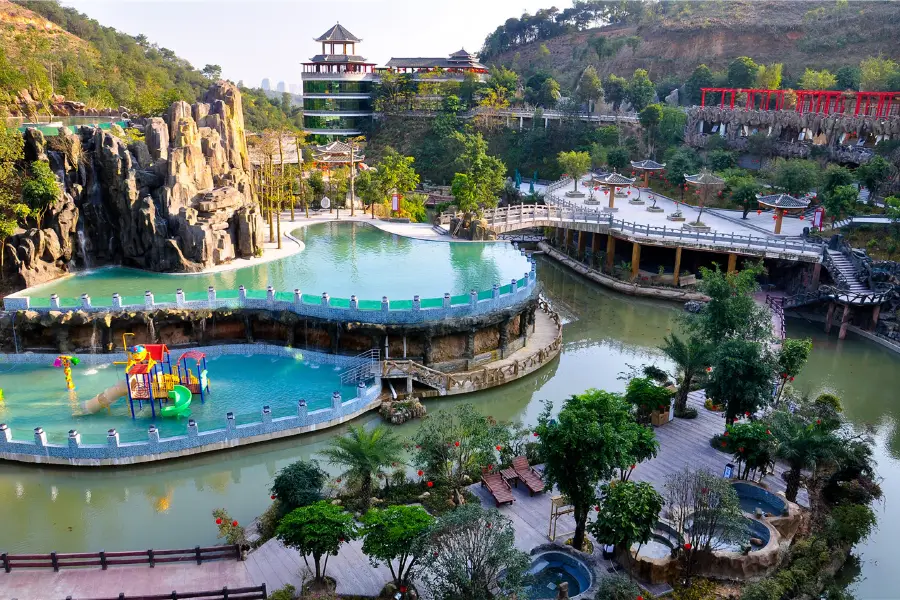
<point>549,569</point>
<point>753,497</point>
<point>341,259</point>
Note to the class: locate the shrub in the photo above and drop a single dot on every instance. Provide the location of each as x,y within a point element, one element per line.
<point>699,589</point>
<point>268,523</point>
<point>298,484</point>
<point>654,372</point>
<point>288,592</point>
<point>229,528</point>
<point>767,589</point>
<point>618,587</point>
<point>711,405</point>
<point>850,523</point>
<point>688,413</point>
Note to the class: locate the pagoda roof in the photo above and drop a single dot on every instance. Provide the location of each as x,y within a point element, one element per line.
<point>648,165</point>
<point>338,33</point>
<point>704,178</point>
<point>615,179</point>
<point>335,147</point>
<point>338,58</point>
<point>782,201</point>
<point>336,152</point>
<point>433,63</point>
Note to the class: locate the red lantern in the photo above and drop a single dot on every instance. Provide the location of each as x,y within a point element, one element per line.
<point>596,187</point>
<point>272,497</point>
<point>709,369</point>
<point>418,446</point>
<point>435,554</point>
<point>723,444</point>
<point>490,467</point>
<point>741,449</point>
<point>759,212</point>
<point>628,192</point>
<point>234,523</point>
<point>792,378</point>
<point>726,434</point>
<point>687,546</point>
<point>774,217</point>
<point>218,521</point>
<point>818,421</point>
<point>535,434</point>
<point>338,479</point>
<point>402,589</point>
<point>597,508</point>
<point>720,194</point>
<point>341,540</point>
<point>430,484</point>
<point>802,217</point>
<point>784,375</point>
<point>768,432</point>
<point>456,444</point>
<point>499,447</point>
<point>488,525</point>
<point>420,472</point>
<point>746,414</point>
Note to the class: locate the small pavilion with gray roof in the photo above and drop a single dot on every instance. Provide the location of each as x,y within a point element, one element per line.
<point>782,203</point>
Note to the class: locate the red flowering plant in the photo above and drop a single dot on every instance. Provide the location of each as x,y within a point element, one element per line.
<point>229,529</point>
<point>751,444</point>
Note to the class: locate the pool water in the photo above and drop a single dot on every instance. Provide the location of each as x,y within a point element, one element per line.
<point>749,505</point>
<point>550,569</point>
<point>657,547</point>
<point>341,259</point>
<point>752,497</point>
<point>37,396</point>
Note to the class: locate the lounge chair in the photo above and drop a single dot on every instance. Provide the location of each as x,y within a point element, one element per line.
<point>497,486</point>
<point>528,475</point>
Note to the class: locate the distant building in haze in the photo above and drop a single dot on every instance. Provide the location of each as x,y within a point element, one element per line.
<point>281,87</point>
<point>266,85</point>
<point>294,88</point>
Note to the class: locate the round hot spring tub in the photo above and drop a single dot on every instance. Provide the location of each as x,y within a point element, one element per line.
<point>549,569</point>
<point>753,497</point>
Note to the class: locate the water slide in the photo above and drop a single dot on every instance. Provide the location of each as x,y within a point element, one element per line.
<point>181,398</point>
<point>105,398</point>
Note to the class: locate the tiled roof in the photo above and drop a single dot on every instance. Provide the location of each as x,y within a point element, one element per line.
<point>651,165</point>
<point>704,178</point>
<point>337,58</point>
<point>782,201</point>
<point>337,34</point>
<point>616,179</point>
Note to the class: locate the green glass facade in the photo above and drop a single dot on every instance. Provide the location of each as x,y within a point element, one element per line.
<point>336,104</point>
<point>337,87</point>
<point>336,122</point>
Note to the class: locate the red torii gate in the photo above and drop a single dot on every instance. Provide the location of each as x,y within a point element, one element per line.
<point>816,101</point>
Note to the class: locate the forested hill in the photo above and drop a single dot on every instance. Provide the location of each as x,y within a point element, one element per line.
<point>670,38</point>
<point>101,66</point>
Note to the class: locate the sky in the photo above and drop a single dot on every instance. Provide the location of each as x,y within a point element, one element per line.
<point>253,39</point>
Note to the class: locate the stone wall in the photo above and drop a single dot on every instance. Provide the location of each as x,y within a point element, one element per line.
<point>179,200</point>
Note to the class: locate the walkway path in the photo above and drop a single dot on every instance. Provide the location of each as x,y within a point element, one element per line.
<point>683,444</point>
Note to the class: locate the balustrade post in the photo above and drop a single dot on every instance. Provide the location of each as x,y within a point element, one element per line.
<point>473,298</point>
<point>230,425</point>
<point>354,302</point>
<point>446,302</point>
<point>361,389</point>
<point>336,403</point>
<point>179,297</point>
<point>385,304</point>
<point>112,437</point>
<point>192,429</point>
<point>270,295</point>
<point>54,301</point>
<point>74,439</point>
<point>116,301</point>
<point>40,437</point>
<point>417,303</point>
<point>5,434</point>
<point>242,295</point>
<point>85,302</point>
<point>266,415</point>
<point>302,412</point>
<point>153,434</point>
<point>211,296</point>
<point>298,298</point>
<point>325,299</point>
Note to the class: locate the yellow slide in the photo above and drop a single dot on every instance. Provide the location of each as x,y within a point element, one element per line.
<point>105,398</point>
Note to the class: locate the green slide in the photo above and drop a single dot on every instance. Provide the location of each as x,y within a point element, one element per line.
<point>181,397</point>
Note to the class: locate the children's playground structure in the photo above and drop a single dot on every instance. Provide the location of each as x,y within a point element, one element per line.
<point>150,377</point>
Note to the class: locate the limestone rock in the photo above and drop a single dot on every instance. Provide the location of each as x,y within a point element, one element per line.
<point>34,145</point>
<point>156,134</point>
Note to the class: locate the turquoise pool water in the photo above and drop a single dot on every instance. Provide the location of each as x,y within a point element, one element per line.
<point>37,396</point>
<point>339,258</point>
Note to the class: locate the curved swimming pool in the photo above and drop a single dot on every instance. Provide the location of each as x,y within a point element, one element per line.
<point>341,259</point>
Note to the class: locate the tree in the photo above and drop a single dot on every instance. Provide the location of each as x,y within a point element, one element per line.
<point>317,530</point>
<point>542,90</point>
<point>640,90</point>
<point>835,176</point>
<point>628,513</point>
<point>11,209</point>
<point>574,164</point>
<point>795,177</point>
<point>364,454</point>
<point>817,80</point>
<point>683,162</point>
<point>646,396</point>
<point>485,174</point>
<point>848,78</point>
<point>469,549</point>
<point>614,90</point>
<point>590,87</point>
<point>743,191</point>
<point>396,534</point>
<point>741,377</point>
<point>705,512</point>
<point>873,173</point>
<point>791,357</point>
<point>720,159</point>
<point>650,119</point>
<point>700,78</point>
<point>742,72</point>
<point>768,77</point>
<point>617,158</point>
<point>41,190</point>
<point>298,484</point>
<point>752,445</point>
<point>503,79</point>
<point>891,209</point>
<point>691,357</point>
<point>462,188</point>
<point>803,444</point>
<point>842,200</point>
<point>670,131</point>
<point>212,72</point>
<point>731,311</point>
<point>876,72</point>
<point>586,443</point>
<point>452,446</point>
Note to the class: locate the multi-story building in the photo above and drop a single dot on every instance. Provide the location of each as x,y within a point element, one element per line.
<point>455,67</point>
<point>337,87</point>
<point>266,86</point>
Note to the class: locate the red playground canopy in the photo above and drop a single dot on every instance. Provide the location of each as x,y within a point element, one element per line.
<point>156,351</point>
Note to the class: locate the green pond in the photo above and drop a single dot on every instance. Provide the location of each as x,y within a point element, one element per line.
<point>341,259</point>
<point>169,504</point>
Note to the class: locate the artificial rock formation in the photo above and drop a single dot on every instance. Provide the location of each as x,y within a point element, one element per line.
<point>179,200</point>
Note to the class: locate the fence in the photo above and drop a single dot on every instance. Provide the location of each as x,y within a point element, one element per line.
<point>151,558</point>
<point>324,307</point>
<point>248,593</point>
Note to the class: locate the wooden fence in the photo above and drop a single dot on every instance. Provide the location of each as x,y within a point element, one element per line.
<point>57,561</point>
<point>248,593</point>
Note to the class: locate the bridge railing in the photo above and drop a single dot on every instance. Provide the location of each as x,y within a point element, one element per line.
<point>59,560</point>
<point>524,214</point>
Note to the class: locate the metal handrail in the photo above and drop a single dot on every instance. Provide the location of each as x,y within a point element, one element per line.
<point>364,366</point>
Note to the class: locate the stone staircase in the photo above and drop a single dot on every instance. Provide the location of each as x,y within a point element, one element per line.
<point>847,272</point>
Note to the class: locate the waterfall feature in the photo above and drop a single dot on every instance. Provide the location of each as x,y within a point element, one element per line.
<point>82,247</point>
<point>151,329</point>
<point>93,347</point>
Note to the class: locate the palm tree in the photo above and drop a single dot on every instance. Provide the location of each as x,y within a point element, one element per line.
<point>803,444</point>
<point>691,356</point>
<point>364,454</point>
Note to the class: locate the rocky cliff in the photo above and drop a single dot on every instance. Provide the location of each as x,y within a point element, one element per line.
<point>178,200</point>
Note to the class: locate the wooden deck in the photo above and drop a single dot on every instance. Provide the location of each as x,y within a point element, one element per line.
<point>683,443</point>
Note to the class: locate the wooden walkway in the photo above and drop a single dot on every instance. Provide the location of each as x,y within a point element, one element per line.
<point>683,443</point>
